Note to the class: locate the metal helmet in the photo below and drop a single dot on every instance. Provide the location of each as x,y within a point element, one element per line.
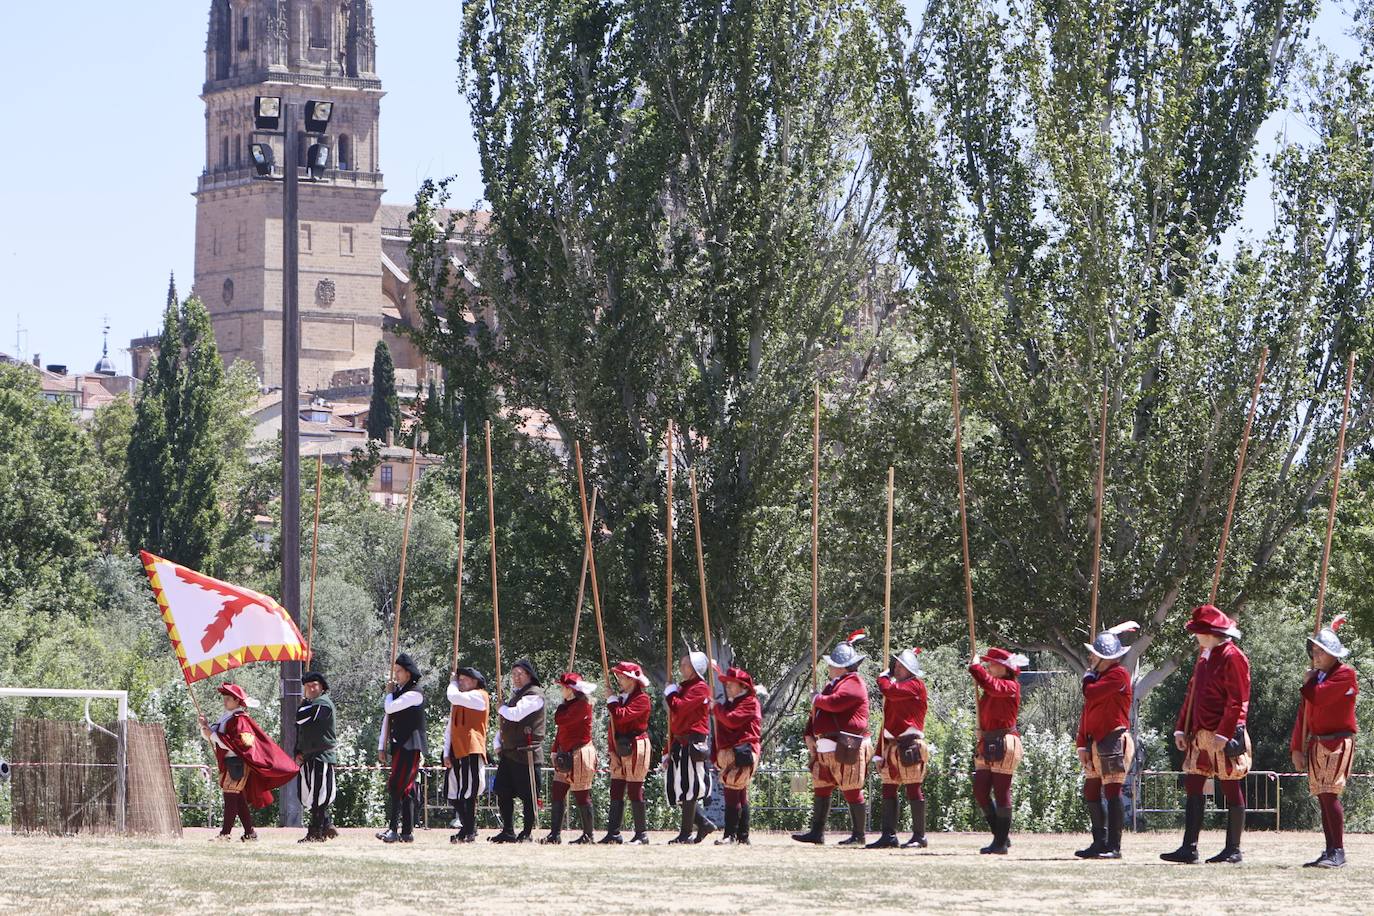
<point>1328,641</point>
<point>844,655</point>
<point>908,659</point>
<point>1107,645</point>
<point>699,662</point>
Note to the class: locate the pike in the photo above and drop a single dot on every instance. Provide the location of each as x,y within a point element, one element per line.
<point>405,544</point>
<point>462,546</point>
<point>314,556</point>
<point>1097,512</point>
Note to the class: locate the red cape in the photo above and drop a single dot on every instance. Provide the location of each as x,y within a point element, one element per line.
<point>268,765</point>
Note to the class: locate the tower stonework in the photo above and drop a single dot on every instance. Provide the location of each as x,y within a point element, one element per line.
<point>299,50</point>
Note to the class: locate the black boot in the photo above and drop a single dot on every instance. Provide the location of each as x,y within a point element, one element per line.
<point>313,831</point>
<point>918,825</point>
<point>742,831</point>
<point>407,820</point>
<point>527,821</point>
<point>1330,858</point>
<point>613,819</point>
<point>820,809</point>
<point>1098,817</point>
<point>858,813</point>
<point>684,834</point>
<point>507,834</point>
<point>1116,819</point>
<point>731,825</point>
<point>1186,854</point>
<point>556,831</point>
<point>990,815</point>
<point>641,837</point>
<point>1235,826</point>
<point>889,838</point>
<point>1002,841</point>
<point>705,826</point>
<point>467,813</point>
<point>585,817</point>
<point>327,831</point>
<point>393,816</point>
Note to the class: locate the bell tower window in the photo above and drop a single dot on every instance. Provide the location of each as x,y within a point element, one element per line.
<point>345,157</point>
<point>319,36</point>
<point>243,34</point>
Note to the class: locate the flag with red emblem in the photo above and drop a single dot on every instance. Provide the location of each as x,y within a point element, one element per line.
<point>215,626</point>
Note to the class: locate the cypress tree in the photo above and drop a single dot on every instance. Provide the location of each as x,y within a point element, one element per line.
<point>385,410</point>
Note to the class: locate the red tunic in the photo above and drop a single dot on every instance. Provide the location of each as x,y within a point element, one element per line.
<point>999,701</point>
<point>739,722</point>
<point>1106,704</point>
<point>842,706</point>
<point>574,724</point>
<point>904,704</point>
<point>630,718</point>
<point>269,767</point>
<point>1220,689</point>
<point>689,710</point>
<point>1329,707</point>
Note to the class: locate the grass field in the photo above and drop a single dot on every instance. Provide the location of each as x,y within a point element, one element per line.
<point>357,874</point>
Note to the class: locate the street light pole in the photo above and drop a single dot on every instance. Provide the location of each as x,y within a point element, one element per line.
<point>290,443</point>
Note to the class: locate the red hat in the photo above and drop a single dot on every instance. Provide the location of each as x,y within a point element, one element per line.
<point>573,681</point>
<point>1006,659</point>
<point>631,671</point>
<point>237,692</point>
<point>1208,619</point>
<point>738,675</point>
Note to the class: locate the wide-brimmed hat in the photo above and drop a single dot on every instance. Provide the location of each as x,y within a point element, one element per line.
<point>632,671</point>
<point>738,675</point>
<point>1013,661</point>
<point>529,669</point>
<point>907,658</point>
<point>573,681</point>
<point>473,673</point>
<point>1107,646</point>
<point>408,663</point>
<point>1328,641</point>
<point>238,693</point>
<point>1208,618</point>
<point>315,677</point>
<point>844,655</point>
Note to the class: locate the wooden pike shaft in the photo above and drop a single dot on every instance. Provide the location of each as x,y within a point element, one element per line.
<point>1097,513</point>
<point>581,592</point>
<point>495,590</point>
<point>462,545</point>
<point>314,562</point>
<point>815,536</point>
<point>963,511</point>
<point>1335,490</point>
<point>668,587</point>
<point>1235,480</point>
<point>701,580</point>
<point>591,568</point>
<point>887,577</point>
<point>405,546</point>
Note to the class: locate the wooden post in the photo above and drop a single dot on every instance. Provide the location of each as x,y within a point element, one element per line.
<point>963,512</point>
<point>815,536</point>
<point>887,578</point>
<point>405,545</point>
<point>1235,480</point>
<point>582,591</point>
<point>668,587</point>
<point>701,579</point>
<point>1335,490</point>
<point>314,559</point>
<point>1097,512</point>
<point>462,545</point>
<point>495,592</point>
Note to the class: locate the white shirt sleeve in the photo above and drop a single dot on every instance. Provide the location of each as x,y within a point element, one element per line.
<point>381,738</point>
<point>404,701</point>
<point>468,699</point>
<point>523,707</point>
<point>496,740</point>
<point>448,737</point>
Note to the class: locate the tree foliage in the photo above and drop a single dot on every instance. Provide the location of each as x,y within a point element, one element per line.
<point>384,413</point>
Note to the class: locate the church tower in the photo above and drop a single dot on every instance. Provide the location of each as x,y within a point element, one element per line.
<point>300,50</point>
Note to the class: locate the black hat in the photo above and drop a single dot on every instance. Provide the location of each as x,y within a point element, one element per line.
<point>314,677</point>
<point>408,663</point>
<point>475,675</point>
<point>529,669</point>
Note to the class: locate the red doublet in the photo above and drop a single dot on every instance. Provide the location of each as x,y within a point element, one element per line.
<point>1328,707</point>
<point>269,767</point>
<point>904,704</point>
<point>999,700</point>
<point>689,709</point>
<point>574,725</point>
<point>1106,705</point>
<point>631,717</point>
<point>1220,689</point>
<point>842,706</point>
<point>739,722</point>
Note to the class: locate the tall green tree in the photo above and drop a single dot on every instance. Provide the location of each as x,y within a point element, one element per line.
<point>384,412</point>
<point>110,431</point>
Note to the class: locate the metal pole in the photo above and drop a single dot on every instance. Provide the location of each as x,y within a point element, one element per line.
<point>291,445</point>
<point>122,764</point>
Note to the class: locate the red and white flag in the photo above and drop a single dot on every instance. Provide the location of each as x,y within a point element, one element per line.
<point>215,626</point>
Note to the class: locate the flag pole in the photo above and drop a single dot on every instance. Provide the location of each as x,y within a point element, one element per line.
<point>815,535</point>
<point>887,575</point>
<point>462,545</point>
<point>1235,480</point>
<point>1335,489</point>
<point>495,596</point>
<point>1097,512</point>
<point>405,546</point>
<point>582,590</point>
<point>701,579</point>
<point>668,587</point>
<point>314,559</point>
<point>963,512</point>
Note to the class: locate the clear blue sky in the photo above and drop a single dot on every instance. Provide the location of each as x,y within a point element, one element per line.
<point>106,141</point>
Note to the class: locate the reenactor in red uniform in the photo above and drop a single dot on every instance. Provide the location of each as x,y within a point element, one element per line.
<point>1105,746</point>
<point>687,776</point>
<point>1211,732</point>
<point>902,751</point>
<point>574,758</point>
<point>837,736</point>
<point>998,751</point>
<point>250,763</point>
<point>628,744</point>
<point>739,727</point>
<point>1324,735</point>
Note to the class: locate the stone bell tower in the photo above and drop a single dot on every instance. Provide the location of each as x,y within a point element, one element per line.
<point>299,50</point>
